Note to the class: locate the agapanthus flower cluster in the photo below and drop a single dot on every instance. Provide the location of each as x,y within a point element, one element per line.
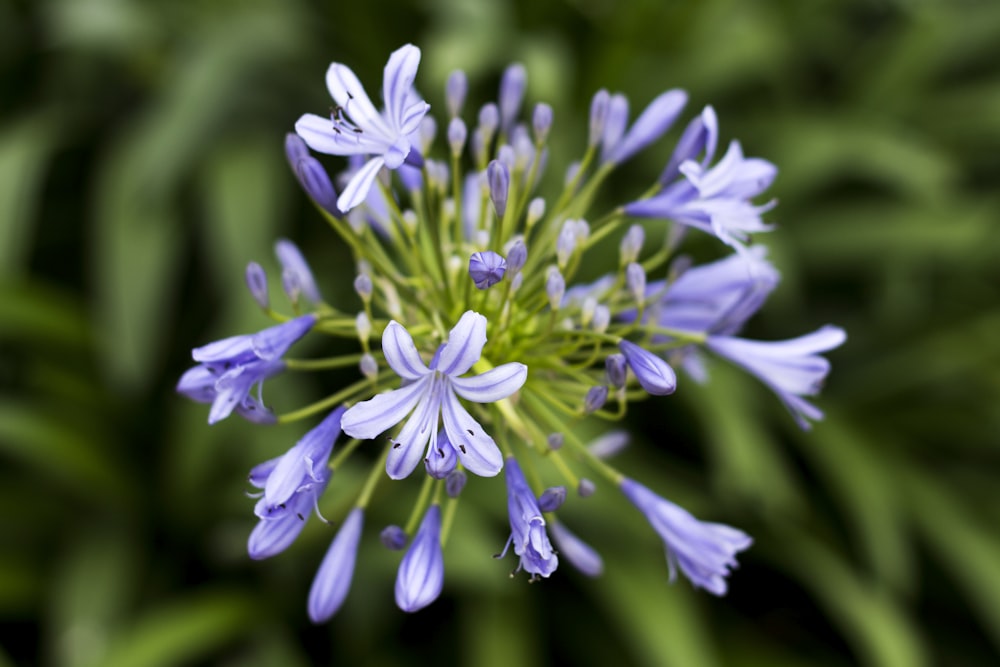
<point>481,345</point>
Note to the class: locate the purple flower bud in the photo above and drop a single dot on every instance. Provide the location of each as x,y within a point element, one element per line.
<point>499,180</point>
<point>650,125</point>
<point>455,90</point>
<point>596,398</point>
<point>442,458</point>
<point>602,318</point>
<point>631,244</point>
<point>489,119</point>
<point>552,498</point>
<point>614,124</point>
<point>555,287</point>
<point>635,279</point>
<point>566,243</point>
<point>486,268</point>
<point>368,366</point>
<point>454,483</point>
<point>579,554</point>
<point>457,134</point>
<point>311,174</point>
<point>585,488</point>
<point>290,285</point>
<point>257,284</point>
<point>363,286</point>
<point>363,325</point>
<point>653,373</point>
<point>333,579</point>
<point>617,371</point>
<point>598,116</point>
<point>507,157</point>
<point>512,86</point>
<point>536,209</point>
<point>421,573</point>
<point>555,440</point>
<point>394,538</point>
<point>295,271</point>
<point>608,444</point>
<point>517,256</point>
<point>541,122</point>
<point>426,132</point>
<point>701,135</point>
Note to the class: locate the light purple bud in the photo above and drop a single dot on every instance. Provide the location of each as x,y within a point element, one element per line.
<point>631,244</point>
<point>478,146</point>
<point>427,131</point>
<point>523,147</point>
<point>536,209</point>
<point>541,122</point>
<point>585,488</point>
<point>571,173</point>
<point>454,483</point>
<point>394,538</point>
<point>368,366</point>
<point>566,243</point>
<point>552,498</point>
<point>421,573</point>
<point>499,180</point>
<point>311,175</point>
<point>598,116</point>
<point>333,579</point>
<point>701,135</point>
<point>489,119</point>
<point>457,134</point>
<point>517,256</point>
<point>579,554</point>
<point>363,286</point>
<point>555,287</point>
<point>486,269</point>
<point>635,279</point>
<point>617,370</point>
<point>442,458</point>
<point>614,124</point>
<point>290,284</point>
<point>411,177</point>
<point>455,90</point>
<point>507,157</point>
<point>653,373</point>
<point>608,444</point>
<point>602,318</point>
<point>650,125</point>
<point>555,440</point>
<point>292,261</point>
<point>595,399</point>
<point>257,284</point>
<point>512,86</point>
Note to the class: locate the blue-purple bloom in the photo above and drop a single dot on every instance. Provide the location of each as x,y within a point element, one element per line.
<point>432,391</point>
<point>229,369</point>
<point>527,525</point>
<point>486,269</point>
<point>791,368</point>
<point>653,373</point>
<point>333,579</point>
<point>421,572</point>
<point>357,128</point>
<point>704,551</point>
<point>578,553</point>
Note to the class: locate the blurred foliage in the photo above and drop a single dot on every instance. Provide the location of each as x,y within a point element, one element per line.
<point>141,167</point>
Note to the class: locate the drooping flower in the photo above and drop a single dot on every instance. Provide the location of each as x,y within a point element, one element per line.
<point>421,572</point>
<point>527,525</point>
<point>357,128</point>
<point>715,200</point>
<point>333,579</point>
<point>432,391</point>
<point>229,369</point>
<point>791,368</point>
<point>704,551</point>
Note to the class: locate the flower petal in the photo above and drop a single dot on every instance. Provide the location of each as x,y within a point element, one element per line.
<point>401,354</point>
<point>397,81</point>
<point>369,418</point>
<point>493,385</point>
<point>464,346</point>
<point>318,133</point>
<point>348,92</point>
<point>360,185</point>
<point>476,449</point>
<point>409,446</point>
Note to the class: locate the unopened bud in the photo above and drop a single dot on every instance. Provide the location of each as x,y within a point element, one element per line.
<point>257,284</point>
<point>552,498</point>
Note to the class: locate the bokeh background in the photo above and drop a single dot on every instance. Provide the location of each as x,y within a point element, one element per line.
<point>141,167</point>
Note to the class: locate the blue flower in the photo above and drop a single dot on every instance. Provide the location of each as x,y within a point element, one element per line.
<point>432,391</point>
<point>333,579</point>
<point>357,128</point>
<point>715,200</point>
<point>791,368</point>
<point>527,525</point>
<point>231,367</point>
<point>421,572</point>
<point>705,552</point>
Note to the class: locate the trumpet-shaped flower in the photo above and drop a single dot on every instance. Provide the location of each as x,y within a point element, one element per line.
<point>229,369</point>
<point>527,525</point>
<point>433,391</point>
<point>357,128</point>
<point>791,368</point>
<point>705,552</point>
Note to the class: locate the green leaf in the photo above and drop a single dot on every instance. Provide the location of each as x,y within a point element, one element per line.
<point>25,149</point>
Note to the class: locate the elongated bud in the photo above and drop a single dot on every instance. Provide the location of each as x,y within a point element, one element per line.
<point>536,209</point>
<point>499,180</point>
<point>457,134</point>
<point>631,244</point>
<point>333,579</point>
<point>653,373</point>
<point>602,318</point>
<point>595,399</point>
<point>579,554</point>
<point>293,263</point>
<point>363,286</point>
<point>552,498</point>
<point>455,90</point>
<point>363,325</point>
<point>635,279</point>
<point>512,86</point>
<point>454,483</point>
<point>615,367</point>
<point>566,243</point>
<point>555,287</point>
<point>368,366</point>
<point>598,116</point>
<point>614,124</point>
<point>608,444</point>
<point>585,488</point>
<point>394,538</point>
<point>541,122</point>
<point>257,284</point>
<point>427,131</point>
<point>421,573</point>
<point>517,256</point>
<point>489,119</point>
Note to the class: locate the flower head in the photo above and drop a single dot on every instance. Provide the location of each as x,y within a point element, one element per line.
<point>705,552</point>
<point>357,128</point>
<point>433,392</point>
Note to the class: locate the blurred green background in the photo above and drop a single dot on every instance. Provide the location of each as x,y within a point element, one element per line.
<point>141,167</point>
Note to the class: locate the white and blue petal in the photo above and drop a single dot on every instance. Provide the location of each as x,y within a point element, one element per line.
<point>464,346</point>
<point>379,413</point>
<point>493,385</point>
<point>475,448</point>
<point>350,95</point>
<point>397,81</point>
<point>401,354</point>
<point>357,189</point>
<point>410,446</point>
